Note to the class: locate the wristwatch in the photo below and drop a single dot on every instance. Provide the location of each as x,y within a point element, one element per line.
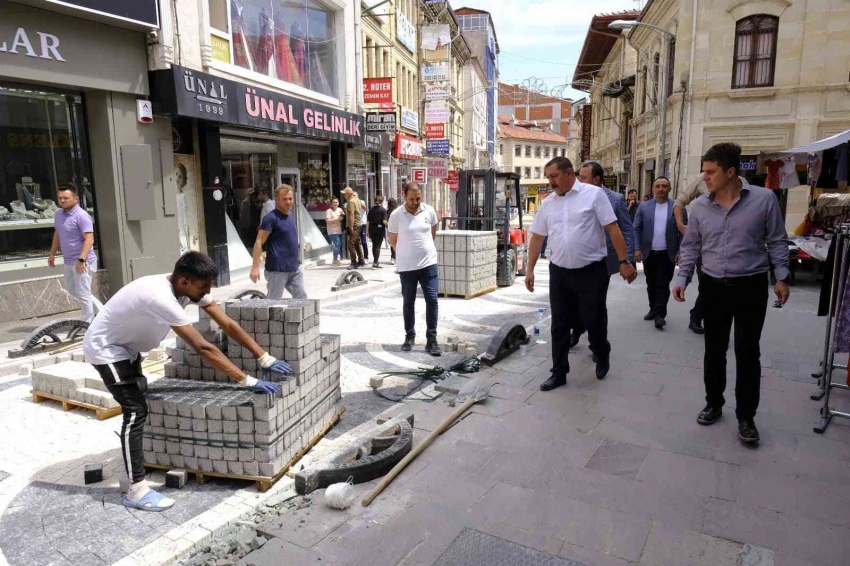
<point>81,260</point>
<point>625,262</point>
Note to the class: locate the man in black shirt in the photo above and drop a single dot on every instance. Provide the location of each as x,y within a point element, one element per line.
<point>377,222</point>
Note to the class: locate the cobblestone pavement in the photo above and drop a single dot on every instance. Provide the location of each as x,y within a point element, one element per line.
<point>611,472</point>
<point>47,515</point>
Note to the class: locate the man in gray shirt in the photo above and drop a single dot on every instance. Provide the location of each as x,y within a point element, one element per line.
<point>738,231</point>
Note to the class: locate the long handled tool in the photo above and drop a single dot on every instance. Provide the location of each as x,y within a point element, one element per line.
<point>471,393</point>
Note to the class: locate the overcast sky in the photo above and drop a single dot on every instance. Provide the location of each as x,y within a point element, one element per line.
<point>543,38</point>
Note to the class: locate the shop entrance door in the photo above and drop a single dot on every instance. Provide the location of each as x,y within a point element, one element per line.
<point>292,176</point>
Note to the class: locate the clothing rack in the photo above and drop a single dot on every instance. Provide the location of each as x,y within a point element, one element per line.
<point>839,281</point>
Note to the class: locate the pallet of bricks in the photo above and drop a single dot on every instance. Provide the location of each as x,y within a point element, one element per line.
<point>202,421</point>
<point>467,262</point>
<point>74,384</point>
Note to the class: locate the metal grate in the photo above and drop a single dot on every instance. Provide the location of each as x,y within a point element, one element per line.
<point>474,548</point>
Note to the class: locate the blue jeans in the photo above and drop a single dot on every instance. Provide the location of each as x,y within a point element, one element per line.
<point>427,277</point>
<point>364,242</point>
<point>336,240</point>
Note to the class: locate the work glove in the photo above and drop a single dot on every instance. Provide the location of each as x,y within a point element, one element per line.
<point>270,364</point>
<point>261,385</point>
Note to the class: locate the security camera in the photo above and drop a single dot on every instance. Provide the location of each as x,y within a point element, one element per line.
<point>153,35</point>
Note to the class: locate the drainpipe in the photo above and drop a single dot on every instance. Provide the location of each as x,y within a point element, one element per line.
<point>686,153</point>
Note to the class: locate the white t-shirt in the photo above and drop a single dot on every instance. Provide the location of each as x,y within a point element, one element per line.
<point>415,247</point>
<point>659,229</point>
<point>268,206</point>
<point>334,220</point>
<point>136,319</point>
<point>574,224</point>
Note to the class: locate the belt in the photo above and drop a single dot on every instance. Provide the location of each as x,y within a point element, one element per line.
<point>732,281</point>
<point>588,267</point>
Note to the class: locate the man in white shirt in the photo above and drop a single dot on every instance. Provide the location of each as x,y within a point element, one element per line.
<point>136,320</point>
<point>658,241</point>
<point>575,219</point>
<point>413,228</point>
<point>268,204</point>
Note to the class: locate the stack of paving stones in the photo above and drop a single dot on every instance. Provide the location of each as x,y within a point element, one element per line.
<point>76,381</point>
<point>467,261</point>
<point>199,419</point>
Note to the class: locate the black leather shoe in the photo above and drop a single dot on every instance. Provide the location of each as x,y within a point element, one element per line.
<point>696,328</point>
<point>553,382</point>
<point>747,430</point>
<point>709,415</point>
<point>603,366</point>
<point>433,348</point>
<point>660,322</point>
<point>574,338</point>
<point>408,343</point>
<point>649,316</point>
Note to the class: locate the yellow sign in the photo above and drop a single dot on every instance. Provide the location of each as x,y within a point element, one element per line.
<point>532,191</point>
<point>220,49</point>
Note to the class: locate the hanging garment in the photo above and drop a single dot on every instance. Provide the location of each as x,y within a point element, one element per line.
<point>299,52</point>
<point>788,177</point>
<point>815,166</point>
<point>264,53</point>
<point>842,157</point>
<point>318,79</point>
<point>241,48</point>
<point>773,167</point>
<point>285,65</point>
<point>826,283</point>
<point>841,342</point>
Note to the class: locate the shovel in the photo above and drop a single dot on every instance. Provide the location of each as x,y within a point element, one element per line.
<point>471,393</point>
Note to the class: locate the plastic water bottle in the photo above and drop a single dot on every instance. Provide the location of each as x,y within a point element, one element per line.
<point>540,327</point>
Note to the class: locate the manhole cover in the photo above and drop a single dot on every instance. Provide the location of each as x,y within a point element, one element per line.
<point>474,548</point>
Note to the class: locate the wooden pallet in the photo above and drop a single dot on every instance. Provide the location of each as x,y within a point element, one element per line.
<point>69,404</point>
<point>264,483</point>
<point>472,296</point>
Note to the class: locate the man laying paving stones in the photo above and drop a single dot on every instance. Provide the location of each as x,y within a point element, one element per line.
<point>136,320</point>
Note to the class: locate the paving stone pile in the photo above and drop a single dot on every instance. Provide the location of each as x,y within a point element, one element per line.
<point>200,419</point>
<point>76,381</point>
<point>467,261</point>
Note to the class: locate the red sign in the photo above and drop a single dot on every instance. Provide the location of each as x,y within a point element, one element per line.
<point>407,147</point>
<point>377,91</point>
<point>418,175</point>
<point>387,106</point>
<point>453,180</point>
<point>435,131</point>
<point>586,130</point>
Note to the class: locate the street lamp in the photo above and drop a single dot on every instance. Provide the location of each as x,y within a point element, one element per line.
<point>666,36</point>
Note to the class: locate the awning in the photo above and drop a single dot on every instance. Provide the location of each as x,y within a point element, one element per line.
<point>826,143</point>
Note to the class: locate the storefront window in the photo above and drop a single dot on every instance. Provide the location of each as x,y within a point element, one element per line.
<point>288,40</point>
<point>249,176</point>
<point>42,146</point>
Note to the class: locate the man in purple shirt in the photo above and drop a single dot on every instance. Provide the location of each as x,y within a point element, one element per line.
<point>75,236</point>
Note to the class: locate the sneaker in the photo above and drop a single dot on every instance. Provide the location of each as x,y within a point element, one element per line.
<point>337,262</point>
<point>361,263</point>
<point>408,343</point>
<point>392,262</point>
<point>352,267</point>
<point>376,266</point>
<point>747,430</point>
<point>709,415</point>
<point>433,348</point>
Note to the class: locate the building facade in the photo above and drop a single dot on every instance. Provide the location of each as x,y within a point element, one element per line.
<point>259,93</point>
<point>525,148</point>
<point>478,155</point>
<point>70,83</point>
<point>524,104</point>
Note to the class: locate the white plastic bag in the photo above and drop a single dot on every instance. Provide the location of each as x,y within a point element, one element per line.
<point>341,495</point>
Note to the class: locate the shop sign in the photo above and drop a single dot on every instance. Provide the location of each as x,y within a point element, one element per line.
<point>46,45</point>
<point>453,180</point>
<point>435,131</point>
<point>435,73</point>
<point>407,147</point>
<point>220,49</point>
<point>380,122</point>
<point>376,142</point>
<point>586,127</point>
<point>438,168</point>
<point>386,106</point>
<point>438,92</point>
<point>437,111</point>
<point>194,94</point>
<point>405,31</point>
<point>437,147</point>
<point>377,91</point>
<point>409,119</point>
<point>419,175</point>
<point>143,12</point>
<point>748,164</point>
<point>436,36</point>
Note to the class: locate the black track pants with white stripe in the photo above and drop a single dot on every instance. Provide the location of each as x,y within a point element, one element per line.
<point>121,380</point>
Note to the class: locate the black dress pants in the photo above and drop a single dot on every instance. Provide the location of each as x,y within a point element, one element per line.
<point>577,297</point>
<point>742,300</point>
<point>659,270</point>
<point>126,382</point>
<point>698,312</point>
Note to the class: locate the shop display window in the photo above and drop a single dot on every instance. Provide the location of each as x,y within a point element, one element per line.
<point>43,145</point>
<point>289,40</point>
<point>315,168</point>
<point>247,176</point>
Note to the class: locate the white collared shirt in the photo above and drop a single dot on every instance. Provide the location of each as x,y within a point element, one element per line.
<point>574,224</point>
<point>415,248</point>
<point>659,229</point>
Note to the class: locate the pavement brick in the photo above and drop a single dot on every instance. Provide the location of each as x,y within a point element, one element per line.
<point>704,477</point>
<point>667,546</point>
<point>618,458</point>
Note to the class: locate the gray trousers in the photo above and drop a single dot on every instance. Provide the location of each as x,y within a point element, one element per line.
<point>292,281</point>
<point>78,286</point>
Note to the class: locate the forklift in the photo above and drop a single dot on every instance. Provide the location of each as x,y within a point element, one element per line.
<point>485,199</point>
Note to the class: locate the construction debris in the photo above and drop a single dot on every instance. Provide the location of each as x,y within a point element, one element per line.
<point>93,473</point>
